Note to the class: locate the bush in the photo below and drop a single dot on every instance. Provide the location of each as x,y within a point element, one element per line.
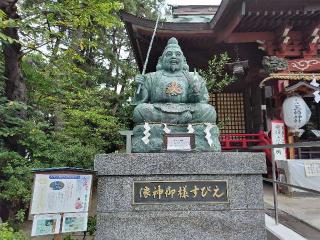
<point>7,233</point>
<point>69,238</point>
<point>92,222</point>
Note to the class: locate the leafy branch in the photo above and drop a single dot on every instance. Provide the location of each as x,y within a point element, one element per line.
<point>215,75</point>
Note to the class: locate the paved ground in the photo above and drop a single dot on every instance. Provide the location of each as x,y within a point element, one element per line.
<point>271,237</point>
<point>301,214</point>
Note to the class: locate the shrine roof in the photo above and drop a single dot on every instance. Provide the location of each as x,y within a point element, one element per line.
<point>191,35</point>
<point>179,10</point>
<point>233,22</point>
<point>74,170</point>
<point>192,13</point>
<point>192,18</point>
<point>290,77</point>
<point>273,14</point>
<point>302,88</point>
<point>148,25</point>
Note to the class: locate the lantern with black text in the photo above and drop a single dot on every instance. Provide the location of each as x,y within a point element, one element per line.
<point>296,112</point>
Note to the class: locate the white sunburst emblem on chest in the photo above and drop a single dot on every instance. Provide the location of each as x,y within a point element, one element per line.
<point>174,89</point>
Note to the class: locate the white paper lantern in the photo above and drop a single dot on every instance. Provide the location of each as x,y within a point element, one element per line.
<point>296,112</point>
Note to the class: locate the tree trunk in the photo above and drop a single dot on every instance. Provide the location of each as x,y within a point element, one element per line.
<point>15,87</point>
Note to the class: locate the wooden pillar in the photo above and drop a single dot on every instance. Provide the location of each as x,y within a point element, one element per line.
<point>291,150</point>
<point>59,235</point>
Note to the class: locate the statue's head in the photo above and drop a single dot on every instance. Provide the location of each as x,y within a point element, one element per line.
<point>172,58</point>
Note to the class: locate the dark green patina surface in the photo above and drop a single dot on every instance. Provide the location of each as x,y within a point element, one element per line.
<point>176,97</point>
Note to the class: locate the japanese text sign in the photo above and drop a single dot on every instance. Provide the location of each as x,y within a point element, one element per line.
<point>179,141</point>
<point>56,193</point>
<point>278,137</point>
<point>312,168</point>
<point>200,191</point>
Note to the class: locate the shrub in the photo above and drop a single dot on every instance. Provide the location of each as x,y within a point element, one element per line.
<point>7,233</point>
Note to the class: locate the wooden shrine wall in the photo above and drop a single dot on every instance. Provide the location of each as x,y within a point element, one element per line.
<point>230,111</point>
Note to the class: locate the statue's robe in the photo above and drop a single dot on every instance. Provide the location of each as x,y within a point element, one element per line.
<point>176,98</point>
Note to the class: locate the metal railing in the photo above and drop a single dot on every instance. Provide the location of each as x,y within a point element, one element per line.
<point>274,179</point>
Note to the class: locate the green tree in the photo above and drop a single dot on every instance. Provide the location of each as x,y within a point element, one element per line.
<point>75,60</point>
<point>215,75</point>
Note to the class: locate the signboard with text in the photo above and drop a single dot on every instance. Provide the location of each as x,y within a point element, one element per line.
<point>46,224</point>
<point>54,193</point>
<point>74,222</point>
<point>60,197</point>
<point>312,168</point>
<point>278,137</point>
<point>179,141</point>
<point>193,191</point>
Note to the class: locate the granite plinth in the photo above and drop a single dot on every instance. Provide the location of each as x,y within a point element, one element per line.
<point>241,218</point>
<point>181,225</point>
<point>202,163</point>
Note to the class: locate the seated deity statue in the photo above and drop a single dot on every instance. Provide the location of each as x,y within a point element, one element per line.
<point>172,94</point>
<point>173,100</point>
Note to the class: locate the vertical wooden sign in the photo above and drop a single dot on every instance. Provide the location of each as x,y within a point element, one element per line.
<point>278,136</point>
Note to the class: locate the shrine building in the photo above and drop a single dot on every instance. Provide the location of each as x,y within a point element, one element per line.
<point>286,31</point>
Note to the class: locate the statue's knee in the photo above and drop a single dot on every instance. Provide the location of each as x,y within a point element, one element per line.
<point>210,111</point>
<point>138,114</point>
<point>144,112</point>
<point>213,113</point>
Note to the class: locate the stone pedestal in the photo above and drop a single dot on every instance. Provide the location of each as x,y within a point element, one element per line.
<point>241,217</point>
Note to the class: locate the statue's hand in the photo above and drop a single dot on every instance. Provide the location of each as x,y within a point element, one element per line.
<point>139,79</point>
<point>196,88</point>
<point>195,83</point>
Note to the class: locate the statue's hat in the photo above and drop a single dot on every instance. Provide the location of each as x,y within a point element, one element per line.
<point>172,42</point>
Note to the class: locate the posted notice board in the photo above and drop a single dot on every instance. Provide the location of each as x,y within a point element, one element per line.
<point>61,193</point>
<point>46,224</point>
<point>278,137</point>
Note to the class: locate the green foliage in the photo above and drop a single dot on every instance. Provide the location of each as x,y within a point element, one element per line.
<point>15,178</point>
<point>69,238</point>
<point>7,233</point>
<point>20,216</point>
<point>92,222</point>
<point>6,23</point>
<point>215,75</point>
<point>78,88</point>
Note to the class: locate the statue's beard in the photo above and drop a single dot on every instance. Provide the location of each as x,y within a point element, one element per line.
<point>174,68</point>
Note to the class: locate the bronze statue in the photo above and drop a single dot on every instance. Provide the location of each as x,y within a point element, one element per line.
<point>172,96</point>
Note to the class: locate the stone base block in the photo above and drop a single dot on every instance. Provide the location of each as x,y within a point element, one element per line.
<point>240,217</point>
<point>175,225</point>
<point>156,137</point>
